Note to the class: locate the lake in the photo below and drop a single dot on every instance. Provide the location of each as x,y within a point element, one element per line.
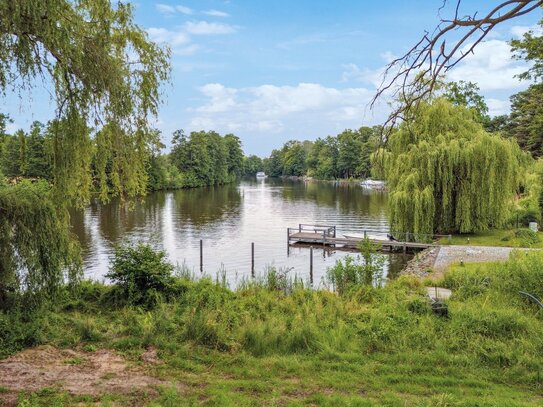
<point>228,218</point>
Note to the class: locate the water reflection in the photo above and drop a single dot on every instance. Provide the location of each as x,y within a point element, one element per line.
<point>228,218</point>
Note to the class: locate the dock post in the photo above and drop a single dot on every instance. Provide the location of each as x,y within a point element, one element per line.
<point>253,259</point>
<point>324,237</point>
<point>335,235</point>
<point>299,227</point>
<point>201,256</point>
<point>288,242</point>
<point>311,265</point>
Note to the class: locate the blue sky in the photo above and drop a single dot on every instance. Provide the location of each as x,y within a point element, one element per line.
<point>271,71</point>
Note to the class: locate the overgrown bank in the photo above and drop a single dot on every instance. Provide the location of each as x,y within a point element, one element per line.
<point>275,343</point>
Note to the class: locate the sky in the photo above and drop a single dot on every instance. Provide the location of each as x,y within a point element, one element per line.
<point>272,71</point>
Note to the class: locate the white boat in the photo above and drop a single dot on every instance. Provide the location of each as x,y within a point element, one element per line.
<point>373,184</point>
<point>261,174</point>
<point>370,236</point>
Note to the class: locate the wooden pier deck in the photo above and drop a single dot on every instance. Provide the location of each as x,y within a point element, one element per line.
<point>327,236</point>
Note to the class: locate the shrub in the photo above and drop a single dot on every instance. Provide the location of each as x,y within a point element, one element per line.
<point>142,274</point>
<point>364,270</point>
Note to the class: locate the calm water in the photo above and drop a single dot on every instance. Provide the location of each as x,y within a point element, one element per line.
<point>228,218</point>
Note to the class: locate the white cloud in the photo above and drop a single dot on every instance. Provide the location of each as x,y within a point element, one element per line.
<point>216,13</point>
<point>184,10</point>
<point>519,30</point>
<point>267,109</point>
<point>173,38</point>
<point>353,72</point>
<point>206,28</point>
<point>490,66</point>
<point>498,107</point>
<point>165,9</point>
<point>221,98</point>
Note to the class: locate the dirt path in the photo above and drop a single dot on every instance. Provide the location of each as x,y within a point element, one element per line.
<point>76,372</point>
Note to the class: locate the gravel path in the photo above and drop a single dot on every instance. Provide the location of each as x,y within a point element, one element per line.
<point>434,261</point>
<point>469,254</point>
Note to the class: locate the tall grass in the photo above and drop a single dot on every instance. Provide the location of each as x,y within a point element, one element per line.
<point>491,331</point>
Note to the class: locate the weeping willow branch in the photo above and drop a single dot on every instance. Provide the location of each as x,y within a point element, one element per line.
<point>102,67</point>
<point>413,76</point>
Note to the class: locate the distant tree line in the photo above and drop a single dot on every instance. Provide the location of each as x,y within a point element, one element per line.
<point>198,159</point>
<point>347,155</point>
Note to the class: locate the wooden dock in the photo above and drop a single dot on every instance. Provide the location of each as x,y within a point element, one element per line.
<point>327,236</point>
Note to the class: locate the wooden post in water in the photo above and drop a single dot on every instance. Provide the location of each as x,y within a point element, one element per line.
<point>201,256</point>
<point>253,259</point>
<point>311,265</point>
<point>365,235</point>
<point>405,242</point>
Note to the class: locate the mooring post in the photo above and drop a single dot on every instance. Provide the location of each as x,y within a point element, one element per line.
<point>201,256</point>
<point>311,265</point>
<point>252,259</point>
<point>335,235</point>
<point>300,227</point>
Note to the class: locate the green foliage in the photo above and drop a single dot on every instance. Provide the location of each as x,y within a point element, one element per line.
<point>446,174</point>
<point>530,48</point>
<point>206,158</point>
<point>526,119</point>
<point>466,94</point>
<point>142,274</point>
<point>37,252</point>
<point>294,157</point>
<point>252,164</point>
<point>348,155</point>
<point>266,346</point>
<point>350,272</point>
<point>57,39</point>
<point>274,164</point>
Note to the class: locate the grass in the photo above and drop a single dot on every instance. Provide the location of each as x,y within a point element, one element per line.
<point>499,237</point>
<point>368,346</point>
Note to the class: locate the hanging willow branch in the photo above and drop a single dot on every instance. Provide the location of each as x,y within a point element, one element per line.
<point>412,77</point>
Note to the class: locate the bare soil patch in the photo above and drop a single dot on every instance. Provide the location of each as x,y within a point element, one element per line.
<point>74,371</point>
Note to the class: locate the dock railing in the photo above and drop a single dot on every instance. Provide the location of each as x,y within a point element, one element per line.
<point>327,230</point>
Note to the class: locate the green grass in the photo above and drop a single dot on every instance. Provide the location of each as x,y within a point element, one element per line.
<point>367,347</point>
<point>500,237</point>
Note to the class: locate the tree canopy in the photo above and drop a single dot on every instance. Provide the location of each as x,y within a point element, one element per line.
<point>106,77</point>
<point>447,174</point>
<point>54,40</point>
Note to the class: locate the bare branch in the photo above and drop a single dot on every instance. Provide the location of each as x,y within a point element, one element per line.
<point>413,76</point>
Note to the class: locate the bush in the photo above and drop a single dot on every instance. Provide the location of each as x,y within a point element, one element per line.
<point>364,270</point>
<point>142,274</point>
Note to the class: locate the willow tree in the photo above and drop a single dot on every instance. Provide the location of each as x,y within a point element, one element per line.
<point>103,71</point>
<point>446,174</point>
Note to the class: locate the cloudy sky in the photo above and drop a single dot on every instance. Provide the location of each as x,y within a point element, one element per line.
<point>271,71</point>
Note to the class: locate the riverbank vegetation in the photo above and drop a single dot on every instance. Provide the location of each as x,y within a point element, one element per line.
<point>277,343</point>
<point>345,156</point>
<point>446,174</point>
